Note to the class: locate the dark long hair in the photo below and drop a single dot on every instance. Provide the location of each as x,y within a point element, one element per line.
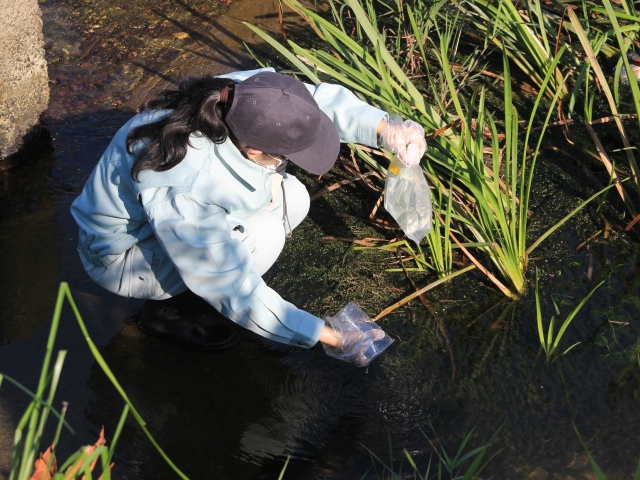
<point>196,107</point>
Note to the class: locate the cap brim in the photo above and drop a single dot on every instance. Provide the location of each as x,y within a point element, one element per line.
<point>320,157</point>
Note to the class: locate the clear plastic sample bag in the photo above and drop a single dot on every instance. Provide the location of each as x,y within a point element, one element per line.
<point>408,199</point>
<point>363,339</point>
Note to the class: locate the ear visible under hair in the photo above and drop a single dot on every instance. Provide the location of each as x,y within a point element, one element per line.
<point>224,95</point>
<point>226,99</point>
<point>237,142</point>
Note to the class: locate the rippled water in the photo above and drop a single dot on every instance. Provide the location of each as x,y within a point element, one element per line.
<point>239,413</point>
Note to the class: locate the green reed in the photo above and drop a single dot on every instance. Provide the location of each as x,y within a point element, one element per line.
<point>462,464</point>
<point>491,213</point>
<point>550,340</point>
<point>532,35</point>
<point>583,37</point>
<point>526,36</point>
<point>30,428</point>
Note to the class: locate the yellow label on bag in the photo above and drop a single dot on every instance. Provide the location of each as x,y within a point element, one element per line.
<point>393,168</point>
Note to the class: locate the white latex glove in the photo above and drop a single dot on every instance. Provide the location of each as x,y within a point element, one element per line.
<point>352,345</point>
<point>407,140</point>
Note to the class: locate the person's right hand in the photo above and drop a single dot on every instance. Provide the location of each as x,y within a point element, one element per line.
<point>350,346</point>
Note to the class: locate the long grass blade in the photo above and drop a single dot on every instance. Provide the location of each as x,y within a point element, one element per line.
<point>281,476</point>
<point>594,465</point>
<point>38,400</point>
<point>543,343</point>
<point>116,435</point>
<point>571,315</point>
<point>417,293</point>
<point>64,288</point>
<point>544,236</point>
<point>284,51</point>
<point>586,45</point>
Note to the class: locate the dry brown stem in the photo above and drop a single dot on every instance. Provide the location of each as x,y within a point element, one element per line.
<point>607,163</point>
<point>342,183</point>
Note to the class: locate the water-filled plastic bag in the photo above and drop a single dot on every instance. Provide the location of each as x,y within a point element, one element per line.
<point>352,319</point>
<point>408,199</point>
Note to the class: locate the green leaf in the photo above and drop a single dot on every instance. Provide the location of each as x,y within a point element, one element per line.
<point>285,52</point>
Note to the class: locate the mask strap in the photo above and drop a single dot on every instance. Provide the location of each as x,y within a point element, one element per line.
<point>288,231</point>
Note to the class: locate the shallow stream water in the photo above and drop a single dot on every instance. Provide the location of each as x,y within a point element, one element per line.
<point>239,413</point>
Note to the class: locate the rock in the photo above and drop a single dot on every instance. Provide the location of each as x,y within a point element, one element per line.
<point>579,460</point>
<point>558,476</point>
<point>538,473</point>
<point>66,49</point>
<point>24,87</point>
<point>589,476</point>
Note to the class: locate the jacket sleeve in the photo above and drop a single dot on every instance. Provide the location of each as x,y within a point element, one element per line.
<point>356,121</point>
<point>214,266</point>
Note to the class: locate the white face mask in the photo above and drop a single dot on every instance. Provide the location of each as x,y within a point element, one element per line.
<point>278,167</point>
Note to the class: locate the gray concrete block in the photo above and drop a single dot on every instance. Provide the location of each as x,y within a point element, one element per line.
<point>24,88</point>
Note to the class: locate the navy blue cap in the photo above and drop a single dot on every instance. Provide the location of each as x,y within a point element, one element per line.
<point>276,114</point>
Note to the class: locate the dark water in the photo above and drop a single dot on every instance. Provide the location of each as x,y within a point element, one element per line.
<point>240,413</point>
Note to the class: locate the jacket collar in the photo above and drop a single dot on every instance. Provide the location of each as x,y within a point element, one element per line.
<point>241,168</point>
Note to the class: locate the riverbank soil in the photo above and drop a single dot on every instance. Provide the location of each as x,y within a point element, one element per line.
<point>239,413</point>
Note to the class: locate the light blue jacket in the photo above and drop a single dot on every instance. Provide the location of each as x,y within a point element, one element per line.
<point>193,207</point>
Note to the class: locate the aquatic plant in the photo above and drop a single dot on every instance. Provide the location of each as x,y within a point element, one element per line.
<point>550,340</point>
<point>500,215</point>
<point>613,105</point>
<point>490,213</point>
<point>526,36</point>
<point>29,432</point>
<point>447,465</point>
<point>531,37</point>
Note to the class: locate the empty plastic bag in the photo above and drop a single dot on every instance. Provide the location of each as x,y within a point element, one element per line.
<point>408,199</point>
<point>361,340</point>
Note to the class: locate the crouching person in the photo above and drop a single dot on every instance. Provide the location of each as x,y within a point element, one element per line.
<point>191,204</point>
